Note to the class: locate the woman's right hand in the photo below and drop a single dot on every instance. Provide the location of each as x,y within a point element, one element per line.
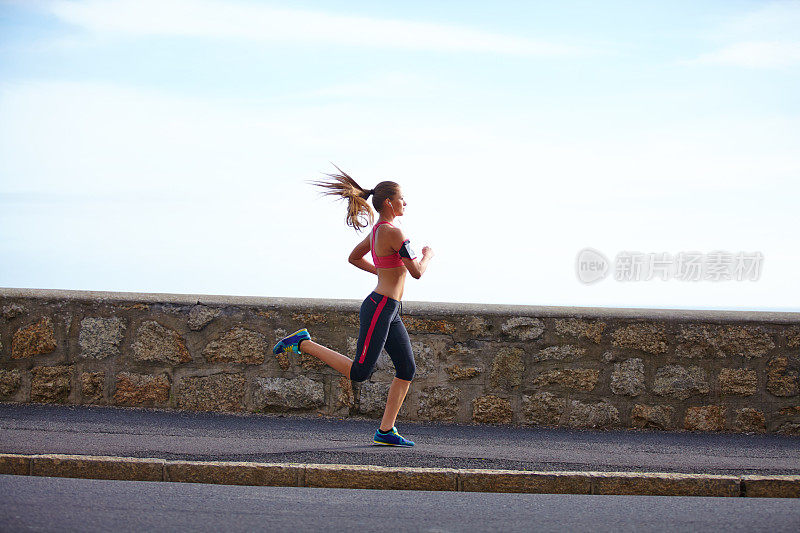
<point>427,251</point>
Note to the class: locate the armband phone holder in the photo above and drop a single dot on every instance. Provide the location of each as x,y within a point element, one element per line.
<point>406,251</point>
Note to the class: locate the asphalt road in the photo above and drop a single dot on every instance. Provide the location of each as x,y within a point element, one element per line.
<point>62,504</point>
<point>31,429</point>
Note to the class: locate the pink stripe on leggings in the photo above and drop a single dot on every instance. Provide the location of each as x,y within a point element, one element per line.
<point>371,327</point>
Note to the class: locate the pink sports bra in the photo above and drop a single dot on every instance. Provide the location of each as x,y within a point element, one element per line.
<point>384,261</point>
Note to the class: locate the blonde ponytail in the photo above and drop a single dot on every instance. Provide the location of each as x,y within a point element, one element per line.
<point>359,213</point>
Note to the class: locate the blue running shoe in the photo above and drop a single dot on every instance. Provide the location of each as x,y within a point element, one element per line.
<point>393,438</point>
<point>292,342</point>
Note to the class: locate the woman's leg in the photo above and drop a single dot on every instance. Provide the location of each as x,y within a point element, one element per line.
<point>374,318</point>
<point>337,361</point>
<point>397,393</point>
<point>398,346</point>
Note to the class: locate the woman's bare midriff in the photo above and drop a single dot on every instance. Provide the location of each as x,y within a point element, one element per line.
<point>391,282</point>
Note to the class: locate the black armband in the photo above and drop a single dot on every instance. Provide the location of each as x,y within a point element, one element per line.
<point>406,251</point>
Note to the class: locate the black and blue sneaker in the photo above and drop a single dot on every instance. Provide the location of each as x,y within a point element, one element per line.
<point>292,342</point>
<point>391,438</point>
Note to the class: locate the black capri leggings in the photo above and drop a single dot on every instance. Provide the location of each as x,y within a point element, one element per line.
<point>381,327</point>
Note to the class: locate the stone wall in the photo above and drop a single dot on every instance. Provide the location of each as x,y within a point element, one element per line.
<point>549,366</point>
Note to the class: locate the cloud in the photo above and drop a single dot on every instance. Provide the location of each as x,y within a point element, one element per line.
<point>393,86</point>
<point>259,23</point>
<point>763,38</point>
<point>774,21</point>
<point>754,55</point>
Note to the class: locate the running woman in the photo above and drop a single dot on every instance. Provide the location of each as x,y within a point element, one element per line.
<point>380,323</point>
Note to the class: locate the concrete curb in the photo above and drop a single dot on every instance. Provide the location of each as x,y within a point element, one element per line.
<point>400,478</point>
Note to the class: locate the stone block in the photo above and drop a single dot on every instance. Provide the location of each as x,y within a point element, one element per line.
<point>345,397</point>
<point>217,392</point>
<point>427,353</point>
<point>705,418</point>
<point>138,306</point>
<point>101,337</point>
<point>380,477</point>
<point>477,326</point>
<point>775,486</point>
<point>464,350</point>
<point>664,484</point>
<point>741,381</point>
<point>50,384</point>
<point>310,318</point>
<point>627,379</point>
<point>749,420</point>
<point>141,390</point>
<point>92,386</point>
<point>273,394</point>
<point>507,368</point>
<point>491,409</point>
<point>200,316</point>
<point>457,372</point>
<point>478,480</point>
<point>10,381</point>
<point>708,340</point>
<point>523,328</point>
<point>238,345</point>
<point>592,415</point>
<point>790,410</point>
<point>372,397</point>
<point>351,319</point>
<point>563,352</point>
<point>439,404</point>
<point>12,311</point>
<point>14,464</point>
<point>680,382</point>
<point>781,380</point>
<point>793,337</point>
<point>234,473</point>
<point>309,362</point>
<point>576,327</point>
<point>36,339</point>
<point>644,336</point>
<point>98,467</point>
<point>352,347</point>
<point>424,325</point>
<point>155,343</point>
<point>543,408</point>
<point>283,360</point>
<point>584,379</point>
<point>746,341</point>
<point>652,416</point>
<point>789,428</point>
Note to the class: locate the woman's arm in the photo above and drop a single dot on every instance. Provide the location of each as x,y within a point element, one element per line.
<point>357,257</point>
<point>415,266</point>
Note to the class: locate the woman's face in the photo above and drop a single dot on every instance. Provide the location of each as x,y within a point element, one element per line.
<point>398,203</point>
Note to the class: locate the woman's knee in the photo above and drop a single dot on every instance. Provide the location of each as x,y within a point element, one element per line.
<point>407,372</point>
<point>360,373</point>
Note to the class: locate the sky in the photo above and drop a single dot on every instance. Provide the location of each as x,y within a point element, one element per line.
<point>167,146</point>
